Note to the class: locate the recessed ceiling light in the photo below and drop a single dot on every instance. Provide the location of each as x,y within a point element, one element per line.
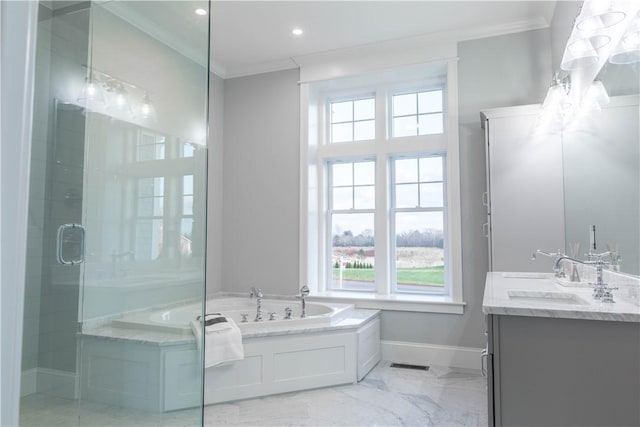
<point>297,31</point>
<point>201,12</point>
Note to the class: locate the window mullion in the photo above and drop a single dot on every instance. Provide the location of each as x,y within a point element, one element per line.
<point>381,223</point>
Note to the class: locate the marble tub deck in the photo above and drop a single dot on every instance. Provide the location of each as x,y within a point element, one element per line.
<point>386,397</point>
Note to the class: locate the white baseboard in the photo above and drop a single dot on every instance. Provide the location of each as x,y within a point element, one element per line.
<point>58,383</point>
<point>430,354</point>
<point>28,382</point>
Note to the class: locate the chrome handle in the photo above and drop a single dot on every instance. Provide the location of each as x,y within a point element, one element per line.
<point>244,317</point>
<point>60,241</point>
<point>485,229</point>
<point>485,199</point>
<point>483,358</point>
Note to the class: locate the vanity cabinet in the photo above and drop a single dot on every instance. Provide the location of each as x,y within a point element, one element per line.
<point>525,197</point>
<point>545,371</point>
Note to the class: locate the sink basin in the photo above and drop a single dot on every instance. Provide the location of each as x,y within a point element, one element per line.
<point>547,296</point>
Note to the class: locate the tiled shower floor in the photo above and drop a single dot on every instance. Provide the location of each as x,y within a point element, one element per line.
<point>386,397</point>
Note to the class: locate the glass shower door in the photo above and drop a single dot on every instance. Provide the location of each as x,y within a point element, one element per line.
<point>118,215</point>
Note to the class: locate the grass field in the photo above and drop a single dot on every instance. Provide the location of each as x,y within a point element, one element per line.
<point>432,276</point>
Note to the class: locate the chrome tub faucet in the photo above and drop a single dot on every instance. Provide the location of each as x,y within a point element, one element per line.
<point>304,291</point>
<point>258,294</point>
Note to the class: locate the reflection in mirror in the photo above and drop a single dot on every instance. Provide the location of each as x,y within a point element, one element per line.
<point>602,172</point>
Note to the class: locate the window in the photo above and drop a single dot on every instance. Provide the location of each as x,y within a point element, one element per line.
<point>186,226</point>
<point>382,223</point>
<point>150,208</point>
<point>351,215</point>
<point>418,113</point>
<point>353,120</point>
<point>150,147</point>
<point>418,219</point>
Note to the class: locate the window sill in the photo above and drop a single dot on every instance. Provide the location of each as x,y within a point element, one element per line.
<point>415,303</point>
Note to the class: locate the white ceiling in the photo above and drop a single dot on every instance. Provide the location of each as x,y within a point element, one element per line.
<point>255,36</point>
<point>250,37</point>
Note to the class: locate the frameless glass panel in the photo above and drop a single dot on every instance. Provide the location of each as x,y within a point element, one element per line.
<point>419,257</point>
<point>364,109</point>
<point>431,195</point>
<point>352,252</point>
<point>404,105</point>
<point>405,126</point>
<point>431,169</point>
<point>364,130</point>
<point>341,112</point>
<point>430,102</point>
<point>406,170</point>
<point>430,124</point>
<point>407,195</point>
<point>342,132</point>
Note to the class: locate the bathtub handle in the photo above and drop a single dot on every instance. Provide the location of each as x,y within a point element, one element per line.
<point>245,317</point>
<point>272,315</point>
<point>287,313</point>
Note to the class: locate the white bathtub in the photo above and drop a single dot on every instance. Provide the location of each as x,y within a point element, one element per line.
<point>177,319</point>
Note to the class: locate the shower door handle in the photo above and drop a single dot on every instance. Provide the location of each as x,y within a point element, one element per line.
<point>60,241</point>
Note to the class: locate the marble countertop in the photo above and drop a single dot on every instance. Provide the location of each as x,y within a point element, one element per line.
<point>539,295</point>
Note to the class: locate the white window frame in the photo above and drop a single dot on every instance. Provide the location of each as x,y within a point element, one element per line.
<point>316,151</point>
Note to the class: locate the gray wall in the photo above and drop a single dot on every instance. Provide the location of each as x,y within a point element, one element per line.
<point>261,178</point>
<point>261,183</point>
<point>214,185</point>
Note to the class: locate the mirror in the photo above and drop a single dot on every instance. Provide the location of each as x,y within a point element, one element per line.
<point>601,161</point>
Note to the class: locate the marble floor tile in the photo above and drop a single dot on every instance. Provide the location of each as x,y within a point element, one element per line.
<point>386,397</point>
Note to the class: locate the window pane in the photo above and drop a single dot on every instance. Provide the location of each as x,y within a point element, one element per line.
<point>431,169</point>
<point>188,149</point>
<point>342,198</point>
<point>159,149</point>
<point>364,173</point>
<point>186,230</point>
<point>405,126</point>
<point>342,174</point>
<point>342,132</point>
<point>145,206</point>
<point>158,186</point>
<point>341,112</point>
<point>404,105</point>
<point>364,109</point>
<point>364,130</point>
<point>406,170</point>
<point>187,184</point>
<point>146,152</point>
<point>364,197</point>
<point>352,252</point>
<point>158,206</point>
<point>430,124</point>
<point>430,102</point>
<point>406,195</point>
<point>431,195</point>
<point>148,239</point>
<point>187,205</point>
<point>145,187</point>
<point>419,251</point>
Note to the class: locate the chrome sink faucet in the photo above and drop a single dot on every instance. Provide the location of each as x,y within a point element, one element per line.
<point>559,256</point>
<point>258,294</point>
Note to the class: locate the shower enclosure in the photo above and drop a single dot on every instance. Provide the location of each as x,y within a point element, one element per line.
<point>116,212</point>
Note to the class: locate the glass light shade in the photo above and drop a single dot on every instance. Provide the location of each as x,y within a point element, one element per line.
<point>598,14</point>
<point>579,53</point>
<point>92,95</point>
<point>628,50</point>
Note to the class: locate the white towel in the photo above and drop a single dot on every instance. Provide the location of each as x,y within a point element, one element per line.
<point>216,322</point>
<point>219,346</point>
